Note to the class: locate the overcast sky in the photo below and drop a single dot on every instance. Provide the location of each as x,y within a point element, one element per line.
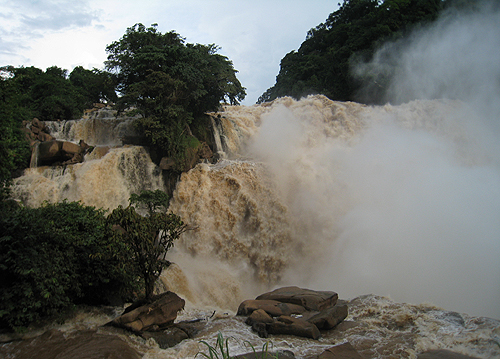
<point>254,34</point>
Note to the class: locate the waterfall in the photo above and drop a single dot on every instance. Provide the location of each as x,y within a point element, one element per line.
<point>394,200</point>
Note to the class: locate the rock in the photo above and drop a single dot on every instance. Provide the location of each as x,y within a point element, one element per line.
<point>158,314</point>
<point>70,148</point>
<point>166,163</point>
<point>309,299</point>
<point>49,151</point>
<point>342,351</point>
<point>59,152</point>
<point>293,326</point>
<point>44,137</point>
<point>259,316</point>
<point>330,317</point>
<point>272,307</point>
<point>280,354</point>
<point>167,338</point>
<point>204,151</point>
<point>443,354</point>
<point>77,345</point>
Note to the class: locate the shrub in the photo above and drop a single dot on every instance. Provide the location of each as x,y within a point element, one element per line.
<point>56,256</point>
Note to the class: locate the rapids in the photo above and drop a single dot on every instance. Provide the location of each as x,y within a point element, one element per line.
<point>400,201</point>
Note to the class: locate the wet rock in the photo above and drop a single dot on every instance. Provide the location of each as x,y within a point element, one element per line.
<point>309,299</point>
<point>167,338</point>
<point>55,344</point>
<point>330,317</point>
<point>280,354</point>
<point>443,354</point>
<point>293,326</point>
<point>272,307</point>
<point>342,351</point>
<point>157,315</point>
<point>58,152</point>
<point>259,316</point>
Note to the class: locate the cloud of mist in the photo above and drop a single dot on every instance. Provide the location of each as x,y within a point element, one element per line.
<point>410,208</point>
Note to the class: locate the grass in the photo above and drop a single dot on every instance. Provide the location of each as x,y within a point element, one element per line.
<point>221,349</point>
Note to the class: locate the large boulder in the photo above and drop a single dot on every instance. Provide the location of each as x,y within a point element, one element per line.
<point>293,311</point>
<point>59,152</point>
<point>293,326</point>
<point>154,316</point>
<point>330,317</point>
<point>272,307</point>
<point>309,299</point>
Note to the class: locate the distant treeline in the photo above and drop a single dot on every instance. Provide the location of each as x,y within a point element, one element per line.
<point>352,34</point>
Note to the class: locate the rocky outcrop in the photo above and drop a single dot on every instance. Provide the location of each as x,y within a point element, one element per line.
<point>154,316</point>
<point>54,152</point>
<point>273,307</point>
<point>192,157</point>
<point>309,299</point>
<point>37,131</point>
<point>293,311</point>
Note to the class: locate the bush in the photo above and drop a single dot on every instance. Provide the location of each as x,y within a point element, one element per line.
<point>56,256</point>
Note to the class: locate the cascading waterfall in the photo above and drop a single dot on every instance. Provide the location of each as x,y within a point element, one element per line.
<point>347,197</point>
<point>107,177</point>
<point>392,200</point>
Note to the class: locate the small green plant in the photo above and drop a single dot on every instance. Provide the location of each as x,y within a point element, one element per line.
<point>221,349</point>
<point>264,354</point>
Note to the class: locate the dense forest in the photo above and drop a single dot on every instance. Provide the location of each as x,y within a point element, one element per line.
<point>323,64</point>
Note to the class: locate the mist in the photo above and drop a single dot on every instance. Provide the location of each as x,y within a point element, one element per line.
<point>405,202</point>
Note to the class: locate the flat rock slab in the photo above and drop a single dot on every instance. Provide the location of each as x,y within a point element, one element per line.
<point>307,298</point>
<point>272,307</point>
<point>342,351</point>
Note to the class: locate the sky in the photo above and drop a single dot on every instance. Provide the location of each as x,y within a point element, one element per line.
<point>254,34</point>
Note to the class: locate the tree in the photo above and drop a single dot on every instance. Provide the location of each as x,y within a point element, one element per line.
<point>14,146</point>
<point>95,86</point>
<point>150,237</point>
<point>172,84</point>
<point>324,60</point>
<point>58,255</point>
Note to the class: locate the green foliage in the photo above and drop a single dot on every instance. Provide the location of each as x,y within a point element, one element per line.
<point>94,86</point>
<point>56,256</point>
<point>221,349</point>
<point>352,33</point>
<point>173,84</point>
<point>149,237</point>
<point>14,146</point>
<point>152,200</point>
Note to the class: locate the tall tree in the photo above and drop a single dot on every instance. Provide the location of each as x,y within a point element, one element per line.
<point>172,84</point>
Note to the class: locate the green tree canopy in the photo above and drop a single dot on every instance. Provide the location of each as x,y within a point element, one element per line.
<point>353,32</point>
<point>172,84</point>
<point>150,237</point>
